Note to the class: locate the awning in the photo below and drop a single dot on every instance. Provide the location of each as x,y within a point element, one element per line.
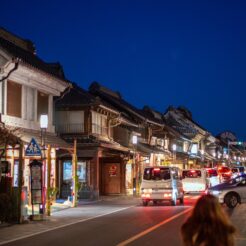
<point>85,154</point>
<point>114,146</point>
<point>207,156</point>
<point>148,149</point>
<point>49,138</point>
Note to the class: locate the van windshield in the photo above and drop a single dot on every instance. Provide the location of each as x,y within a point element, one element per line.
<point>191,174</point>
<point>161,173</point>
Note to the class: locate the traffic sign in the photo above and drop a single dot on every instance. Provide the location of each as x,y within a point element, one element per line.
<point>33,149</point>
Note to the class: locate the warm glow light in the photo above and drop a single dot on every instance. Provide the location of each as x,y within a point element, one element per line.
<point>43,121</point>
<point>174,147</point>
<point>194,148</point>
<point>134,139</point>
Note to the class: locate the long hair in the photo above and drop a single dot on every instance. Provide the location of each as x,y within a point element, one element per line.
<point>208,225</point>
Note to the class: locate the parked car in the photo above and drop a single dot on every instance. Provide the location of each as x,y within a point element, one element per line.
<point>194,180</point>
<point>225,173</point>
<point>161,184</point>
<point>236,171</point>
<point>231,192</point>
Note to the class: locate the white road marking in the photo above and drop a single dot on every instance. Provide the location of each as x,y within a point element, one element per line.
<point>62,226</point>
<point>143,233</point>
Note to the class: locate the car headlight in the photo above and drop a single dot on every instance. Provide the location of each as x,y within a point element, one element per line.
<point>216,192</point>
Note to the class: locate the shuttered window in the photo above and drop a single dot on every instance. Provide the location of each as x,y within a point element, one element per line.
<point>99,124</point>
<point>14,94</point>
<point>43,103</point>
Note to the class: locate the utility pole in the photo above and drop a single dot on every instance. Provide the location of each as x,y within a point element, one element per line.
<point>75,177</point>
<point>48,180</point>
<point>20,178</point>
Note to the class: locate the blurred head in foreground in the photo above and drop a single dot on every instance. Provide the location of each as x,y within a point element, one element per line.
<point>208,225</point>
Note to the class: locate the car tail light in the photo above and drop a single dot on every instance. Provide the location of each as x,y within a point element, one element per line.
<point>145,195</point>
<point>228,173</point>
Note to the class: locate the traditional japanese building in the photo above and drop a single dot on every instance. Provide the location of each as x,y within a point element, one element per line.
<point>27,87</point>
<point>199,144</point>
<point>101,159</point>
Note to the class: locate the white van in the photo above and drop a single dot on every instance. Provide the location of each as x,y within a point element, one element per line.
<point>194,180</point>
<point>161,183</point>
<point>213,177</point>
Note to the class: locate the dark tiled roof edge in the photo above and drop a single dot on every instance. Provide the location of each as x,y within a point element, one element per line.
<point>29,58</point>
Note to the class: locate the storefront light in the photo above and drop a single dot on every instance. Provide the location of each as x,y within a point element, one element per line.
<point>134,139</point>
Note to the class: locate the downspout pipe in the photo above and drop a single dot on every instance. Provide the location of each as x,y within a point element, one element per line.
<point>16,61</point>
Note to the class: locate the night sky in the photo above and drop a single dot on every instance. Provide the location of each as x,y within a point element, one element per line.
<point>156,53</point>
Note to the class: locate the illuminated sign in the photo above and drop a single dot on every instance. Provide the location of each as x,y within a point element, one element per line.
<point>194,149</point>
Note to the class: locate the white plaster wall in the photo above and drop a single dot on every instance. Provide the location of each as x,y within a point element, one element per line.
<point>32,81</point>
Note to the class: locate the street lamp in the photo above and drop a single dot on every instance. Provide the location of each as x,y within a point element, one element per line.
<point>134,142</point>
<point>43,121</point>
<point>43,126</point>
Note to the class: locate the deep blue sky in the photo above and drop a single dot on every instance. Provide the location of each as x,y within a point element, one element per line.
<point>155,53</point>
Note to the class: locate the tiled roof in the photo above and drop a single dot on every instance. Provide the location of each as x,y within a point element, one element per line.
<point>31,59</point>
<point>74,96</point>
<point>50,138</point>
<point>152,115</point>
<point>181,128</point>
<point>115,99</point>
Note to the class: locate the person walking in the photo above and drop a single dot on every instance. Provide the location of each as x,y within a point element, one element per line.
<point>208,225</point>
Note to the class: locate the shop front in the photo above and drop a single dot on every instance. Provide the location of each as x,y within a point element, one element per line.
<point>66,179</point>
<point>111,173</point>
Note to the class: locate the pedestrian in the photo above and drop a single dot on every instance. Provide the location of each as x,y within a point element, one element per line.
<point>208,225</point>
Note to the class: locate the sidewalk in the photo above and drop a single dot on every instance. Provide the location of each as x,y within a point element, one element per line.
<point>63,215</point>
<point>61,204</point>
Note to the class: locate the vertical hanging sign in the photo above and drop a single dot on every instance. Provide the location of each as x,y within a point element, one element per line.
<point>36,182</point>
<point>16,173</point>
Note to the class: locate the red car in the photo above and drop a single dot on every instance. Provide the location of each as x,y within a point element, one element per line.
<point>225,173</point>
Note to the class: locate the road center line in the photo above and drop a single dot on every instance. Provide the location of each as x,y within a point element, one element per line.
<point>64,225</point>
<point>143,233</point>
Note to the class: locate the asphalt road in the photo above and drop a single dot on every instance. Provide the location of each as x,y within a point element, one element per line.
<point>119,223</point>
